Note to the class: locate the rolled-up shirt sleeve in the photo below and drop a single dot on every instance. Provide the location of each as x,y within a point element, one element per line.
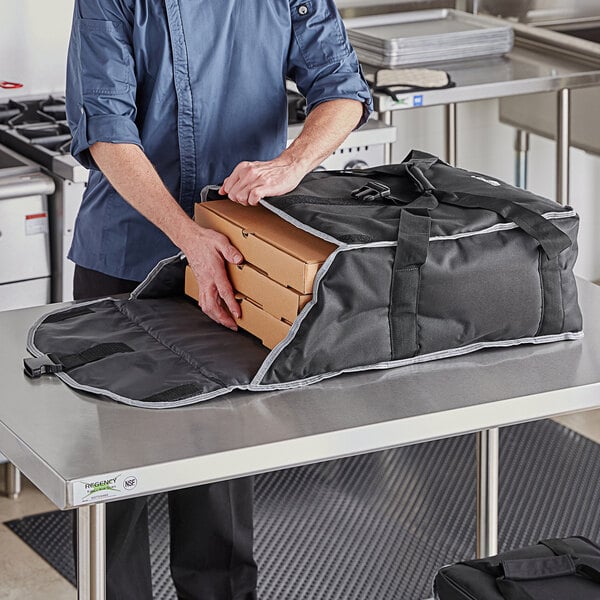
<point>101,84</point>
<point>321,60</point>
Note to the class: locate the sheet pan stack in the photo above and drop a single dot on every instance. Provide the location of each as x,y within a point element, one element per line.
<point>426,37</point>
<point>281,262</point>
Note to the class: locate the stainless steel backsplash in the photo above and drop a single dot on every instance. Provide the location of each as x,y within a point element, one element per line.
<point>538,11</point>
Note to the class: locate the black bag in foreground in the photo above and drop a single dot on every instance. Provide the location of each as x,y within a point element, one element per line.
<point>430,261</point>
<point>559,569</point>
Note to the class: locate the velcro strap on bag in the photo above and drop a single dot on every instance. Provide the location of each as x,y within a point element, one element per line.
<point>98,352</point>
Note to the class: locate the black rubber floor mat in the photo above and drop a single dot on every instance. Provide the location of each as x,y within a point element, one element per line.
<point>378,526</point>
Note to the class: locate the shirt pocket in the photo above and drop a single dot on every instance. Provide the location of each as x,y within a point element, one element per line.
<point>106,61</point>
<point>318,32</point>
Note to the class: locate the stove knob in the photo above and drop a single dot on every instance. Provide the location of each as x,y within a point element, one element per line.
<point>320,168</point>
<point>356,164</point>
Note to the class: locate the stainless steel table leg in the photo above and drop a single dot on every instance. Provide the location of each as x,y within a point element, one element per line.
<point>521,158</point>
<point>487,492</point>
<point>563,142</point>
<point>451,134</point>
<point>12,481</point>
<point>91,552</point>
<point>386,117</point>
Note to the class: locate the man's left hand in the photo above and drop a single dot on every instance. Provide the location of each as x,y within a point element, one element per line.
<point>251,181</point>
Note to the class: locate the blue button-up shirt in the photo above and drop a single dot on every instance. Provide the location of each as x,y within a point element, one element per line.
<point>199,85</point>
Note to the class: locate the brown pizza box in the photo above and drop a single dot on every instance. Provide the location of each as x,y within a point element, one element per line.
<point>191,285</point>
<point>269,329</point>
<point>283,252</point>
<point>280,301</point>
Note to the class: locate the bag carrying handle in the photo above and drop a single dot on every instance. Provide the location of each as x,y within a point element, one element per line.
<point>586,566</point>
<point>527,569</point>
<point>552,240</point>
<point>511,574</point>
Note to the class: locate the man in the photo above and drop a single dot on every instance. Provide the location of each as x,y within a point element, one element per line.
<point>163,98</point>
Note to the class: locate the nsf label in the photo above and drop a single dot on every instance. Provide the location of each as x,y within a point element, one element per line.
<point>104,488</point>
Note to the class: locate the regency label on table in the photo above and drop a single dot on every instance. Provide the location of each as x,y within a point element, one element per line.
<point>102,489</point>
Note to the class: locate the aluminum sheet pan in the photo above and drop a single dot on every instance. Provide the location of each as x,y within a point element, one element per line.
<point>420,37</point>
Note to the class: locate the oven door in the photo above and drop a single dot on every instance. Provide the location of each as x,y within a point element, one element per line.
<point>24,240</point>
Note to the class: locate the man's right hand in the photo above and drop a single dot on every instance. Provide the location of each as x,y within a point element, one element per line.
<point>206,253</point>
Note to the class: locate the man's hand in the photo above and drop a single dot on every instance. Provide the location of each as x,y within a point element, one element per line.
<point>251,181</point>
<point>206,255</point>
<point>326,127</point>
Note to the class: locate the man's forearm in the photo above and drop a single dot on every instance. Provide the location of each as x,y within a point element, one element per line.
<point>133,176</point>
<point>326,127</point>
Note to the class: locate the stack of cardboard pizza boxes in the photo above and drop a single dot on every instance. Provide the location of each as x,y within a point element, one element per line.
<point>280,263</point>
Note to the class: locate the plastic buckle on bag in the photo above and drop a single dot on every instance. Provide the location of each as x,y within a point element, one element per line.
<point>371,191</point>
<point>44,365</point>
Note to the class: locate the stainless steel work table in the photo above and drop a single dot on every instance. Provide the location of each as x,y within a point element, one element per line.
<point>60,438</point>
<point>541,61</point>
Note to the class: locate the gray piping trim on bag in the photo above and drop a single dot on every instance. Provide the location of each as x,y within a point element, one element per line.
<point>550,216</point>
<point>35,351</point>
<point>300,225</point>
<point>283,215</point>
<point>159,265</point>
<point>498,227</point>
<point>270,358</point>
<point>141,404</point>
<point>545,339</point>
<point>204,191</point>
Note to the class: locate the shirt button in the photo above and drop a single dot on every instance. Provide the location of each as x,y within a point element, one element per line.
<point>302,10</point>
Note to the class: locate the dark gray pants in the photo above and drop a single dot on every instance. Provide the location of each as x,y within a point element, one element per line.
<point>211,525</point>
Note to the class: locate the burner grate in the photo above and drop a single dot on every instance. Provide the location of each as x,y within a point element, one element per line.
<point>53,136</point>
<point>9,110</point>
<point>22,112</point>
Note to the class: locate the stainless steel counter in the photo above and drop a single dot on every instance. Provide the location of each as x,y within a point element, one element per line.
<point>542,61</point>
<point>522,71</point>
<point>62,439</point>
<point>59,437</point>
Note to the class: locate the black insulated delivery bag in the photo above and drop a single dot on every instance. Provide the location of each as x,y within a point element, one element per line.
<point>430,261</point>
<point>557,569</point>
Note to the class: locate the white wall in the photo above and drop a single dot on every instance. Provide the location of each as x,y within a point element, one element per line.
<point>486,145</point>
<point>33,44</point>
